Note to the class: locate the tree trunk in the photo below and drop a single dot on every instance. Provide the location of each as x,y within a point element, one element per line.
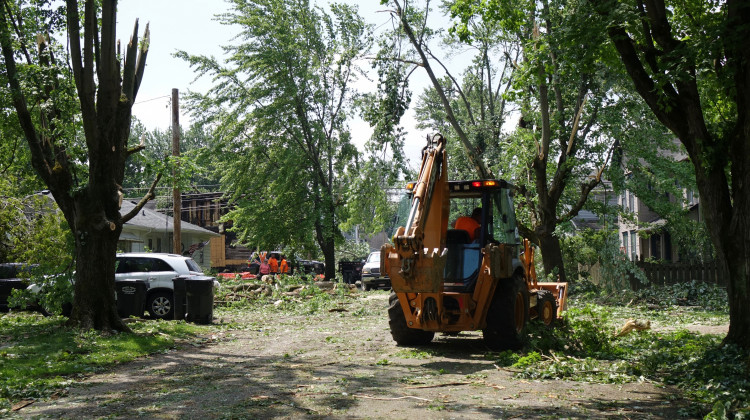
<point>94,305</point>
<point>739,295</point>
<point>330,259</point>
<point>325,234</point>
<point>106,88</point>
<point>552,258</point>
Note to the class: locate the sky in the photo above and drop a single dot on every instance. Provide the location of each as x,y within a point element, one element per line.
<point>190,25</point>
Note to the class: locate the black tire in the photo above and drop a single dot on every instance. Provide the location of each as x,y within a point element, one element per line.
<point>508,315</point>
<point>401,333</point>
<point>160,305</point>
<point>546,308</point>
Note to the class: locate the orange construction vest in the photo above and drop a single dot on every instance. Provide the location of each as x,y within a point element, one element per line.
<point>284,266</point>
<point>468,224</point>
<point>274,263</point>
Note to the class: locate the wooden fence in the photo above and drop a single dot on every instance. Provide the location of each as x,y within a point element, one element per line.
<point>671,273</point>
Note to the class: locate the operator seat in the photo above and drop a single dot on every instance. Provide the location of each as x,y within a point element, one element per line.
<point>462,261</point>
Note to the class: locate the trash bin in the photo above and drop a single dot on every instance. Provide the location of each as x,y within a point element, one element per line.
<point>178,292</point>
<point>200,299</point>
<point>131,297</point>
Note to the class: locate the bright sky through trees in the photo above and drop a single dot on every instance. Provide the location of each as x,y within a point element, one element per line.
<point>189,25</point>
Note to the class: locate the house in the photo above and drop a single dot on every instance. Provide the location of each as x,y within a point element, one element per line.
<point>644,234</point>
<point>599,216</point>
<point>205,210</point>
<point>153,231</point>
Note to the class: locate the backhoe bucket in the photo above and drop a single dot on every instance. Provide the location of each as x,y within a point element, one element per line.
<point>421,272</point>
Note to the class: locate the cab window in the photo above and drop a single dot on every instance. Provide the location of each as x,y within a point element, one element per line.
<point>503,226</point>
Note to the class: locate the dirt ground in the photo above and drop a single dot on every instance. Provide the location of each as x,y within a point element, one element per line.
<point>342,364</point>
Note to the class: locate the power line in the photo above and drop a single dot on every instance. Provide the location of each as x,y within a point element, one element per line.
<point>152,99</point>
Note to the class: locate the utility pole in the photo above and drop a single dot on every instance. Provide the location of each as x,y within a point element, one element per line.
<point>176,196</point>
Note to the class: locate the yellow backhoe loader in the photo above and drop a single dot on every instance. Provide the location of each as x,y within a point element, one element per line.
<point>450,280</point>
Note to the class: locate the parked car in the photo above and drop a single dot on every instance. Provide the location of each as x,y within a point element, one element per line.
<point>12,276</point>
<point>351,271</point>
<point>307,268</point>
<point>371,276</point>
<point>157,270</point>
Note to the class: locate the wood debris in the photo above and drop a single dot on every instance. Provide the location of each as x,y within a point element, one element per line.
<point>633,324</point>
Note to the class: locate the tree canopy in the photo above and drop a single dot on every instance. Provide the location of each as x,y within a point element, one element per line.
<point>547,62</point>
<point>690,62</point>
<point>278,112</point>
<point>74,112</point>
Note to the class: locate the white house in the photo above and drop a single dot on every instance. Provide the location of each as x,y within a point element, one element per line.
<point>153,231</point>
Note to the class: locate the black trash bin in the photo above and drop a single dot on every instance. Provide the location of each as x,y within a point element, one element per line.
<point>131,297</point>
<point>200,299</point>
<point>180,297</point>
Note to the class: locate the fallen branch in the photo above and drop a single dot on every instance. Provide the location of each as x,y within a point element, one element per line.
<point>439,385</point>
<point>390,399</point>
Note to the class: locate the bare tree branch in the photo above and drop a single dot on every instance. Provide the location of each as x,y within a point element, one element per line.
<point>482,169</point>
<point>148,196</point>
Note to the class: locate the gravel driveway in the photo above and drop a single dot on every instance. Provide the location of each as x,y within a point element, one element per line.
<point>339,364</point>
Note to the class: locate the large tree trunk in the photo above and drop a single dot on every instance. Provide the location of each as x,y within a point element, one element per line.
<point>325,234</point>
<point>738,289</point>
<point>728,222</point>
<point>552,258</point>
<point>94,305</point>
<point>329,258</point>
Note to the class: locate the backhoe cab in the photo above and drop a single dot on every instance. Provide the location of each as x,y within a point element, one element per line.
<point>449,280</point>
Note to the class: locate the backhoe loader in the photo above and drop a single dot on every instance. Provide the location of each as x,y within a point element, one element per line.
<point>450,280</point>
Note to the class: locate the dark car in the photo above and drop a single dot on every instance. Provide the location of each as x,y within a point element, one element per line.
<point>13,276</point>
<point>311,268</point>
<point>351,271</point>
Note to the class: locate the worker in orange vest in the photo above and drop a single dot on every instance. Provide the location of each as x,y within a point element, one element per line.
<point>284,266</point>
<point>470,224</point>
<point>274,264</point>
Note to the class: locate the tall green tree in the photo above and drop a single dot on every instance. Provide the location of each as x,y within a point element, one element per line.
<point>690,62</point>
<point>75,117</point>
<point>279,112</point>
<point>479,97</point>
<point>563,141</point>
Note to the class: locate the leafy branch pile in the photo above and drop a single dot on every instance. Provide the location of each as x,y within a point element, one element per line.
<point>291,294</point>
<point>584,348</point>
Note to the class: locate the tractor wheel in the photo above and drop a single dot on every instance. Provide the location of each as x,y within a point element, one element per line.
<point>546,308</point>
<point>401,333</point>
<point>508,315</point>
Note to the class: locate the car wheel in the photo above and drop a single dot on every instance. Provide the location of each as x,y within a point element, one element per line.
<point>160,305</point>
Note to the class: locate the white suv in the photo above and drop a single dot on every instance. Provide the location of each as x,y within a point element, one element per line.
<point>158,270</point>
